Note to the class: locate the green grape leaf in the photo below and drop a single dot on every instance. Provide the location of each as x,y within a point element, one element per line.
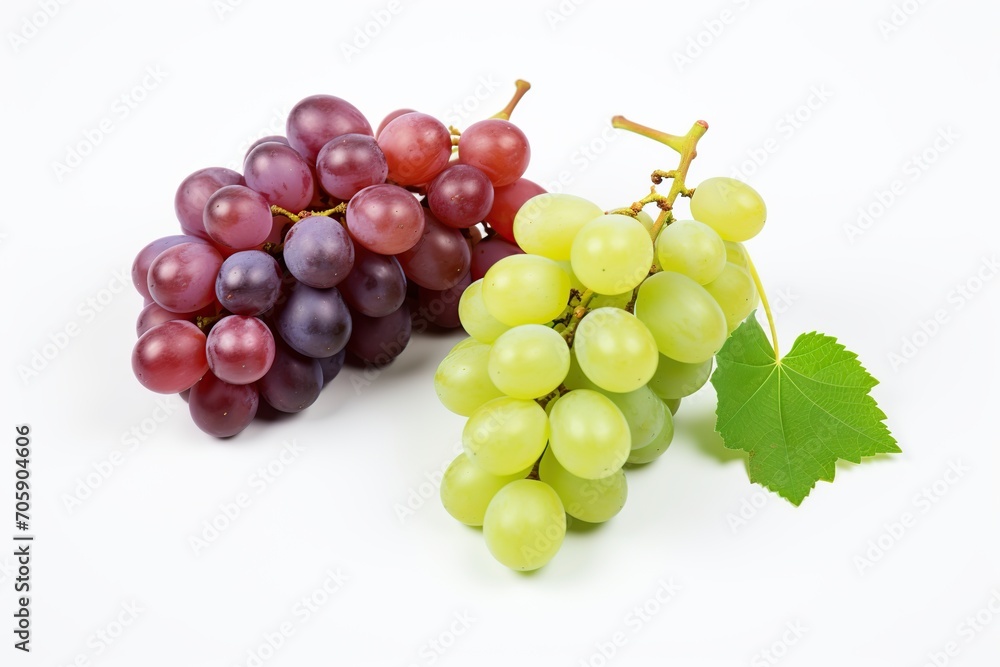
<point>797,416</point>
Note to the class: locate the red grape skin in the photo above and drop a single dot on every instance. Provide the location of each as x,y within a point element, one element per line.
<point>194,191</point>
<point>182,278</point>
<point>140,267</point>
<point>274,138</point>
<point>416,146</point>
<point>497,147</point>
<point>507,201</point>
<point>220,408</point>
<point>349,163</point>
<point>487,253</point>
<point>238,217</point>
<point>281,175</point>
<point>439,259</point>
<point>385,219</point>
<point>318,119</point>
<point>240,349</point>
<point>152,314</point>
<point>391,116</point>
<point>460,196</point>
<point>170,357</point>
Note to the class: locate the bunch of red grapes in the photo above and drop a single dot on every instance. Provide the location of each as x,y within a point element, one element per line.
<point>333,245</point>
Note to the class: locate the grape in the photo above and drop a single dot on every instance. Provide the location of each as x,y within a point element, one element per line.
<point>270,139</point>
<point>735,293</point>
<point>475,318</point>
<point>318,251</point>
<point>315,322</point>
<point>692,248</point>
<point>350,163</point>
<point>440,307</point>
<point>612,254</point>
<point>182,278</point>
<point>220,408</point>
<point>487,253</point>
<point>525,524</point>
<point>591,500</point>
<point>237,217</point>
<point>318,119</point>
<point>153,314</point>
<point>440,259</point>
<point>610,300</point>
<point>673,404</point>
<point>654,449</point>
<point>685,320</point>
<point>140,267</point>
<point>737,254</point>
<point>547,223</point>
<point>375,286</point>
<point>590,436</point>
<point>506,435</point>
<point>496,147</point>
<point>279,226</point>
<point>529,361</point>
<point>281,175</point>
<point>507,201</point>
<point>646,219</point>
<point>248,283</point>
<point>385,219</point>
<point>293,382</point>
<point>332,366</point>
<point>675,380</point>
<point>466,490</point>
<point>525,289</point>
<point>730,207</point>
<point>644,411</point>
<point>462,380</point>
<point>615,350</point>
<point>391,116</point>
<point>376,341</point>
<point>416,146</point>
<point>170,357</point>
<point>460,196</point>
<point>193,193</point>
<point>240,349</point>
<point>575,378</point>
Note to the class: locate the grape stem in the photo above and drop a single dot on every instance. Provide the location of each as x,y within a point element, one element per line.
<point>577,315</point>
<point>522,87</point>
<point>767,308</point>
<point>295,217</point>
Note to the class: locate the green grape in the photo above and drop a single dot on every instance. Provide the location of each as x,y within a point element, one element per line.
<point>730,207</point>
<point>685,320</point>
<point>576,378</point>
<point>476,320</point>
<point>673,404</point>
<point>574,282</point>
<point>547,223</point>
<point>525,524</point>
<point>644,411</point>
<point>646,219</point>
<point>735,293</point>
<point>692,248</point>
<point>589,434</point>
<point>611,300</point>
<point>654,449</point>
<point>591,500</point>
<point>529,361</point>
<point>612,254</point>
<point>466,489</point>
<point>506,435</point>
<point>675,379</point>
<point>525,289</point>
<point>468,341</point>
<point>736,253</point>
<point>615,350</point>
<point>462,380</point>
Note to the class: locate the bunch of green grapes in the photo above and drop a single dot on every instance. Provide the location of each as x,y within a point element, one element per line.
<point>579,353</point>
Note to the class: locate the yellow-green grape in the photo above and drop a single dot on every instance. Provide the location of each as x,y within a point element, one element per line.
<point>692,248</point>
<point>576,378</point>
<point>462,380</point>
<point>546,224</point>
<point>675,379</point>
<point>612,254</point>
<point>610,300</point>
<point>736,253</point>
<point>735,293</point>
<point>590,500</point>
<point>615,350</point>
<point>506,435</point>
<point>468,341</point>
<point>654,449</point>
<point>646,219</point>
<point>476,320</point>
<point>525,289</point>
<point>644,411</point>
<point>466,489</point>
<point>673,404</point>
<point>589,434</point>
<point>529,361</point>
<point>730,207</point>
<point>525,524</point>
<point>686,322</point>
<point>574,282</point>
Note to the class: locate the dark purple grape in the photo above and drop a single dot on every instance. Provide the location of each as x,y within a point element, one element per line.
<point>222,409</point>
<point>318,251</point>
<point>249,283</point>
<point>332,366</point>
<point>439,259</point>
<point>317,119</point>
<point>440,307</point>
<point>375,286</point>
<point>460,196</point>
<point>377,341</point>
<point>487,253</point>
<point>194,191</point>
<point>315,322</point>
<point>350,163</point>
<point>281,175</point>
<point>293,382</point>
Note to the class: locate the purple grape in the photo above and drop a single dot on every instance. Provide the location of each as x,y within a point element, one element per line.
<point>377,341</point>
<point>439,259</point>
<point>274,138</point>
<point>460,196</point>
<point>350,163</point>
<point>318,251</point>
<point>315,322</point>
<point>487,253</point>
<point>220,408</point>
<point>293,382</point>
<point>332,366</point>
<point>318,119</point>
<point>249,283</point>
<point>281,175</point>
<point>375,286</point>
<point>194,191</point>
<point>440,307</point>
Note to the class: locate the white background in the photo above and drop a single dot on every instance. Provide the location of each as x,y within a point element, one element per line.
<point>839,101</point>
